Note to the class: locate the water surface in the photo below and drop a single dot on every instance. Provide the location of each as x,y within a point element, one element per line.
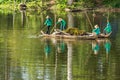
<point>25,56</point>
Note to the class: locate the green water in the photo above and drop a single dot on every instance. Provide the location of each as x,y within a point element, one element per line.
<point>25,56</point>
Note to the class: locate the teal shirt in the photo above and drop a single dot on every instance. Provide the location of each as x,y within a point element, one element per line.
<point>96,30</point>
<point>48,22</point>
<point>62,23</point>
<point>108,28</point>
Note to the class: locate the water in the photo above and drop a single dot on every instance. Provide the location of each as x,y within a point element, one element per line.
<point>25,55</point>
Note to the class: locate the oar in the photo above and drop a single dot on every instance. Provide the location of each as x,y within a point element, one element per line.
<point>89,20</point>
<point>42,28</point>
<point>53,28</point>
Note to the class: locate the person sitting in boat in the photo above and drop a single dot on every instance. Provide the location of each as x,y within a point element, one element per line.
<point>62,24</point>
<point>107,29</point>
<point>48,23</point>
<point>96,31</point>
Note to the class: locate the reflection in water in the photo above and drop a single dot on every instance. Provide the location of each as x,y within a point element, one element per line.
<point>95,47</point>
<point>107,46</point>
<point>60,47</point>
<point>23,17</point>
<point>47,47</point>
<point>23,58</point>
<point>69,61</point>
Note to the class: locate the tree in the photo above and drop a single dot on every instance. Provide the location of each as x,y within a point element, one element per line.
<point>70,2</point>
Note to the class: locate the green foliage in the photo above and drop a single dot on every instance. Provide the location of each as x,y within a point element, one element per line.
<point>9,5</point>
<point>112,3</point>
<point>61,6</point>
<point>1,1</point>
<point>34,5</point>
<point>61,1</point>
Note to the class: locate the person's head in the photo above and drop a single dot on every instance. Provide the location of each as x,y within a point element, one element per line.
<point>96,26</point>
<point>59,19</point>
<point>47,17</point>
<point>107,20</point>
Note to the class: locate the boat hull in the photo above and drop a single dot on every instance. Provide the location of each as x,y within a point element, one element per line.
<point>87,37</point>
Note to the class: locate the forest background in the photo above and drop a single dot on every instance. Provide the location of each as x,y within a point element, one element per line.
<point>59,4</point>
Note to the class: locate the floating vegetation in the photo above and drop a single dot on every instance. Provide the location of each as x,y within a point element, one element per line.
<point>75,31</point>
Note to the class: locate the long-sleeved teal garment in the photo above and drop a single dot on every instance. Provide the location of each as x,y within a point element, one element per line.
<point>62,24</point>
<point>108,28</point>
<point>48,22</point>
<point>96,30</point>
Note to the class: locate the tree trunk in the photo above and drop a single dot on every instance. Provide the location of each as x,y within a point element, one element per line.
<point>70,20</point>
<point>70,2</point>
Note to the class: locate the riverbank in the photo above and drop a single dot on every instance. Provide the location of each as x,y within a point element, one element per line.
<point>38,6</point>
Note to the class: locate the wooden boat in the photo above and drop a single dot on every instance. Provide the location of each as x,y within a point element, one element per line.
<point>104,35</point>
<point>64,35</point>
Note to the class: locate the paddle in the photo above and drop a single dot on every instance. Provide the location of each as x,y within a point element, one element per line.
<point>53,29</point>
<point>89,20</point>
<point>42,28</point>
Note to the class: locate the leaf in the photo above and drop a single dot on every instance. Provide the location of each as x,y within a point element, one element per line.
<point>1,1</point>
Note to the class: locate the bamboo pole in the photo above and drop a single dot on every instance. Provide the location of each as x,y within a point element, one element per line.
<point>89,20</point>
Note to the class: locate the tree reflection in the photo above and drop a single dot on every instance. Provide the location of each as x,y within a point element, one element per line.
<point>69,61</point>
<point>23,17</point>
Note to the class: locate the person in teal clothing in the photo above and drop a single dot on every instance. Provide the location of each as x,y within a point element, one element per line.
<point>107,29</point>
<point>48,23</point>
<point>96,30</point>
<point>62,24</point>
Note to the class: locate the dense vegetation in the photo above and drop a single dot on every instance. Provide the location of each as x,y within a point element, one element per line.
<point>61,4</point>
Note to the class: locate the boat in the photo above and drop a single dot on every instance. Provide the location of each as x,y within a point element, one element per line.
<point>64,35</point>
<point>104,35</point>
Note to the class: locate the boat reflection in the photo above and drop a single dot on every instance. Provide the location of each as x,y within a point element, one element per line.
<point>47,47</point>
<point>96,44</point>
<point>107,45</point>
<point>64,47</point>
<point>60,47</point>
<point>95,47</point>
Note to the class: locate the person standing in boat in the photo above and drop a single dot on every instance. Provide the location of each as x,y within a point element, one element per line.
<point>96,31</point>
<point>62,24</point>
<point>48,23</point>
<point>107,29</point>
